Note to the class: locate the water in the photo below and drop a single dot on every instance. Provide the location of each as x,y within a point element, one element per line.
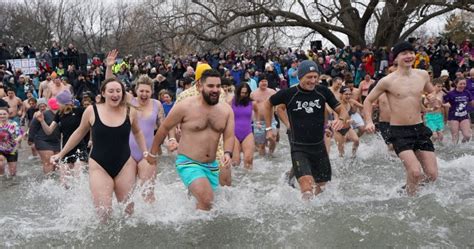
<point>359,209</point>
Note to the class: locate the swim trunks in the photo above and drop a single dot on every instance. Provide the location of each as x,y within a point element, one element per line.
<point>260,133</point>
<point>11,157</point>
<point>384,128</point>
<point>435,121</point>
<point>411,137</point>
<point>190,170</point>
<point>311,160</point>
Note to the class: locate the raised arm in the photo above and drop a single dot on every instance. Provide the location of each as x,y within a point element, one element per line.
<point>110,62</point>
<point>48,129</point>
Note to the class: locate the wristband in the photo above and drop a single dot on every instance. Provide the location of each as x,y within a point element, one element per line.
<point>146,154</point>
<point>268,129</point>
<point>228,152</point>
<point>171,139</point>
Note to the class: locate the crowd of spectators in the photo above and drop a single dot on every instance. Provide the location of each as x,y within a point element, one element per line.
<point>174,73</point>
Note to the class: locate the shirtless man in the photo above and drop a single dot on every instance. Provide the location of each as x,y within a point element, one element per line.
<point>203,119</point>
<point>56,87</point>
<point>260,96</point>
<point>434,117</point>
<point>383,124</point>
<point>410,137</point>
<point>43,90</point>
<point>15,103</point>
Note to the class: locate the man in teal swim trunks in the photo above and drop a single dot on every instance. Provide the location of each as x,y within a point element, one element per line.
<point>202,120</point>
<point>434,117</point>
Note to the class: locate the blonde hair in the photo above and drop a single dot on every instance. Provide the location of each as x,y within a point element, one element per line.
<point>144,80</point>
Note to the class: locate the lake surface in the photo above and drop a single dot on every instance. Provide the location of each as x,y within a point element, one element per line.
<point>361,208</point>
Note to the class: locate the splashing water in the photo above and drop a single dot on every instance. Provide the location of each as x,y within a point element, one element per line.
<point>361,207</point>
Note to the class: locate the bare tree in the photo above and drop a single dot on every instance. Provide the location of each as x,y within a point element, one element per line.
<point>396,19</point>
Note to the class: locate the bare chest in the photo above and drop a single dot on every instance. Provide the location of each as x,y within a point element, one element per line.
<point>405,90</point>
<point>205,120</point>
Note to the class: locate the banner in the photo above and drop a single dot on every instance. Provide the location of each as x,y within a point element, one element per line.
<point>27,66</point>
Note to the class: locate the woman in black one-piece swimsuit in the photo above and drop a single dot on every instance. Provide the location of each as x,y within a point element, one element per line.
<point>110,167</point>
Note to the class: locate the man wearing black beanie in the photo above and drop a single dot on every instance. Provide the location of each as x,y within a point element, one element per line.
<point>409,136</point>
<point>305,106</point>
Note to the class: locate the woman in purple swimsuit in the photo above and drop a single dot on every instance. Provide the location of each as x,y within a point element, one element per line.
<point>243,106</point>
<point>149,115</point>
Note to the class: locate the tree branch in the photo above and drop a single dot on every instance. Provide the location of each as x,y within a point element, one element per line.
<point>423,21</point>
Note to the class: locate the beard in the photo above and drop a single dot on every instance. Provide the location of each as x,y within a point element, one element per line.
<point>208,99</point>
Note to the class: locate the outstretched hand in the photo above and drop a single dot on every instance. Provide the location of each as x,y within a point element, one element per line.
<point>111,57</point>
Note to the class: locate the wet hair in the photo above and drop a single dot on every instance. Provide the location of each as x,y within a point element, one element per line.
<point>4,108</point>
<point>238,100</point>
<point>144,80</point>
<point>13,89</point>
<point>104,84</point>
<point>209,74</point>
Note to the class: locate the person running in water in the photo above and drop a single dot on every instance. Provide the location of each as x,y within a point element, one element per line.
<point>46,144</point>
<point>411,139</point>
<point>225,172</point>
<point>111,167</point>
<point>260,96</point>
<point>383,124</point>
<point>434,117</point>
<point>67,120</point>
<point>203,119</point>
<point>305,106</point>
<point>243,108</point>
<point>150,114</point>
<point>10,138</point>
<point>347,132</point>
<point>459,100</point>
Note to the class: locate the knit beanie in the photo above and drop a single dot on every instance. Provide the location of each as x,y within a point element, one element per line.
<point>64,97</point>
<point>306,67</point>
<point>402,46</point>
